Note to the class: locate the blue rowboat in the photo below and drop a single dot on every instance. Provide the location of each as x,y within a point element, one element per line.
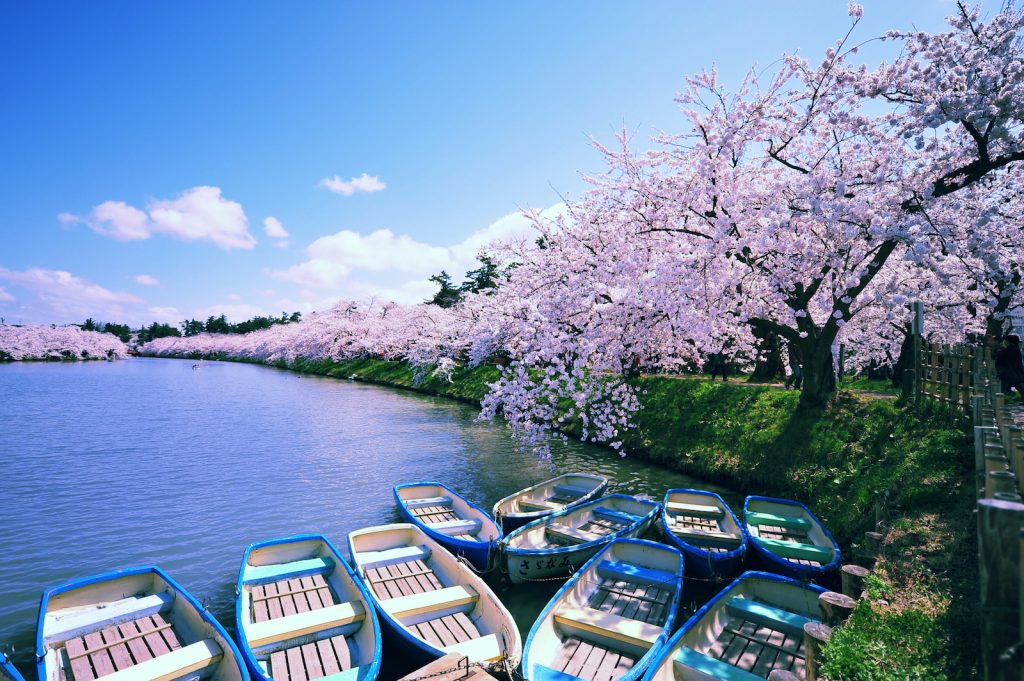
<point>706,530</point>
<point>545,498</point>
<point>611,619</point>
<point>301,612</point>
<point>459,525</point>
<point>7,670</point>
<point>754,626</point>
<point>135,624</point>
<point>789,539</point>
<point>429,602</point>
<point>558,545</point>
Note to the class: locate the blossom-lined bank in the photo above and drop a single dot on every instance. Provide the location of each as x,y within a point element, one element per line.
<point>42,342</point>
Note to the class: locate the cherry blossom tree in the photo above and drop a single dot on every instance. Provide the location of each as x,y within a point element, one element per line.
<point>44,342</point>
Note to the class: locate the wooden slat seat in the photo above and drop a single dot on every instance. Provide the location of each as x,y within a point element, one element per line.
<point>290,596</point>
<point>460,526</point>
<point>699,534</point>
<point>642,635</point>
<point>792,522</point>
<point>302,624</point>
<point>77,624</point>
<point>118,647</point>
<point>620,517</point>
<point>255,574</point>
<point>402,579</point>
<point>428,501</point>
<point>638,574</point>
<point>401,554</point>
<point>431,601</point>
<point>795,550</point>
<point>695,509</point>
<point>762,613</point>
<point>481,649</point>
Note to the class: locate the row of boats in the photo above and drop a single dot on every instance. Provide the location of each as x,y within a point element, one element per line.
<point>304,613</point>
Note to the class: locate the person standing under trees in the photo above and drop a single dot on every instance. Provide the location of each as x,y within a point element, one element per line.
<point>796,375</point>
<point>1010,366</point>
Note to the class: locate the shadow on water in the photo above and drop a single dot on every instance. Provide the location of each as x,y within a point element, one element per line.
<point>147,461</point>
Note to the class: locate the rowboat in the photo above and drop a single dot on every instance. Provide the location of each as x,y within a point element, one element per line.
<point>7,670</point>
<point>431,602</point>
<point>789,539</point>
<point>545,498</point>
<point>611,619</point>
<point>562,542</point>
<point>754,626</point>
<point>136,624</point>
<point>459,525</point>
<point>302,614</point>
<point>706,530</point>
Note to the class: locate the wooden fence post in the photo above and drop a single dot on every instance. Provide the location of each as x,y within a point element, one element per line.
<point>816,635</point>
<point>999,554</point>
<point>853,577</point>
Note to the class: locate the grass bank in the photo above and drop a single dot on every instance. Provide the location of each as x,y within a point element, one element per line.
<point>920,621</point>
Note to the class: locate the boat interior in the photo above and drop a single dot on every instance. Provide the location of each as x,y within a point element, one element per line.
<point>789,532</point>
<point>611,617</point>
<point>442,512</point>
<point>131,628</point>
<point>303,616</point>
<point>420,588</point>
<point>699,520</point>
<point>553,495</point>
<point>586,523</point>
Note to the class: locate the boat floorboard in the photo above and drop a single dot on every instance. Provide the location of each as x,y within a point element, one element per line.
<point>758,649</point>
<point>114,648</point>
<point>312,661</point>
<point>290,596</point>
<point>684,521</point>
<point>598,526</point>
<point>590,661</point>
<point>635,601</point>
<point>788,534</point>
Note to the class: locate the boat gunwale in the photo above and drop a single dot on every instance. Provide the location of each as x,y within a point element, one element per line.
<point>112,575</point>
<point>7,667</point>
<point>249,655</point>
<point>534,515</point>
<point>666,633</point>
<point>613,536</point>
<point>785,563</point>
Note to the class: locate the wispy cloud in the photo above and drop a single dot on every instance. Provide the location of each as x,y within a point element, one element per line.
<point>363,183</point>
<point>198,214</point>
<point>275,230</point>
<point>146,280</point>
<point>5,296</point>
<point>62,297</point>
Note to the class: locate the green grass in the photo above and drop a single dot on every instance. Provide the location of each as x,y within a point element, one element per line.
<point>920,619</point>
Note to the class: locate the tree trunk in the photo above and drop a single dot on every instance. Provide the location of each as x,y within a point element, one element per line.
<point>906,358</point>
<point>819,378</point>
<point>768,363</point>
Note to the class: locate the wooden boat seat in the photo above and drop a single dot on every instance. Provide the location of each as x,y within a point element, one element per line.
<point>289,597</point>
<point>699,534</point>
<point>570,492</point>
<point>302,624</point>
<point>695,509</point>
<point>456,527</point>
<point>573,535</point>
<point>116,648</point>
<point>762,613</point>
<point>528,504</point>
<point>638,574</point>
<point>448,598</point>
<point>328,658</point>
<point>255,574</point>
<point>400,554</point>
<point>798,551</point>
<point>428,501</point>
<point>588,621</point>
<point>687,658</point>
<point>481,649</point>
<point>793,522</point>
<point>584,660</point>
<point>62,628</point>
<point>617,516</point>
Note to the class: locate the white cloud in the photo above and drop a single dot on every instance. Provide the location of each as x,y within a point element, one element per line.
<point>398,266</point>
<point>363,183</point>
<point>274,229</point>
<point>146,280</point>
<point>5,296</point>
<point>62,297</point>
<point>199,214</point>
<point>165,315</point>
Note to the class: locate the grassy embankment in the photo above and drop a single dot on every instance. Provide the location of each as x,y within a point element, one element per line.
<point>920,621</point>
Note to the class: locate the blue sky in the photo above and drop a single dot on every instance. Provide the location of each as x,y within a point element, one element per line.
<point>145,144</point>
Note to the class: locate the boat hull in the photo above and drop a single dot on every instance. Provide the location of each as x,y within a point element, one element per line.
<point>816,539</point>
<point>479,553</point>
<point>82,608</point>
<point>508,511</point>
<point>269,564</point>
<point>700,562</point>
<point>623,603</point>
<point>7,670</point>
<point>766,600</point>
<point>524,563</point>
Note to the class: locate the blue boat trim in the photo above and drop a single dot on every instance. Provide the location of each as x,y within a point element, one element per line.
<point>708,564</point>
<point>725,593</point>
<point>641,664</point>
<point>782,565</point>
<point>125,572</point>
<point>8,668</point>
<point>478,552</point>
<point>370,671</point>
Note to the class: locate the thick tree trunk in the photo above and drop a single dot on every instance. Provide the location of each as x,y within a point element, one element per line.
<point>819,377</point>
<point>906,358</point>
